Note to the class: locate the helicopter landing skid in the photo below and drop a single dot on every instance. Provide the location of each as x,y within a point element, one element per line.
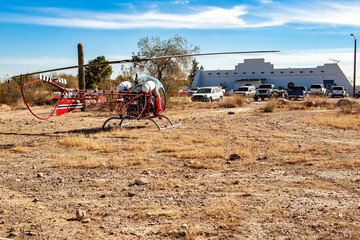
<point>104,127</point>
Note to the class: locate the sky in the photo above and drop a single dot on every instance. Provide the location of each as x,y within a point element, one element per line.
<point>43,34</point>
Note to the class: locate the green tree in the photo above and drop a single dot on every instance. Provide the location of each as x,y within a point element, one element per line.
<point>172,72</point>
<point>194,68</point>
<point>97,75</point>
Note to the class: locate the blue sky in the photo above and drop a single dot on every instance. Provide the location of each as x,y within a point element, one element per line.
<point>42,34</point>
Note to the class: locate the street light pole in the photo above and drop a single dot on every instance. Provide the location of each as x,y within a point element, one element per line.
<point>354,65</point>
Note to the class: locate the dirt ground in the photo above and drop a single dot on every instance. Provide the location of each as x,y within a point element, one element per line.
<point>295,179</point>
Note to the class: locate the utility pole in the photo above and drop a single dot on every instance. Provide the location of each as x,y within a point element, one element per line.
<point>354,87</point>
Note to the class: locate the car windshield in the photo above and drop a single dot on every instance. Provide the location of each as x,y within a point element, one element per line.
<point>316,86</point>
<point>204,90</point>
<point>337,88</point>
<point>298,88</point>
<point>243,89</point>
<point>265,86</point>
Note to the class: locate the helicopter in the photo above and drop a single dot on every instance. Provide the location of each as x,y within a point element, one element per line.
<point>145,98</point>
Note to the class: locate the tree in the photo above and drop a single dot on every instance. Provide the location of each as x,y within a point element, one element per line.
<point>194,68</point>
<point>170,71</point>
<point>97,75</point>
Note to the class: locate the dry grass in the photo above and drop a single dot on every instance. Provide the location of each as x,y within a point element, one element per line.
<point>349,121</point>
<point>79,141</point>
<point>20,149</point>
<point>87,143</point>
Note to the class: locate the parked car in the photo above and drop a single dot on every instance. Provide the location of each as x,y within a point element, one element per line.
<point>317,89</point>
<point>357,95</point>
<point>338,91</point>
<point>266,91</point>
<point>246,91</point>
<point>191,91</point>
<point>182,92</point>
<point>298,92</point>
<point>208,94</point>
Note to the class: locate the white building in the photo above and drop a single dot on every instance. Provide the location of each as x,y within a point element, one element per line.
<point>257,71</point>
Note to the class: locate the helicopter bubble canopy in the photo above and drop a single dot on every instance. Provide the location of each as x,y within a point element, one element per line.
<point>159,87</point>
<point>145,79</point>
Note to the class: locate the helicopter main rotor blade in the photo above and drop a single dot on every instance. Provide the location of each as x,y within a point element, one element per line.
<point>78,66</point>
<point>207,54</point>
<point>136,59</point>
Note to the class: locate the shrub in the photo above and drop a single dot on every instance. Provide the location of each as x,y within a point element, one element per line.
<point>10,93</point>
<point>233,101</point>
<point>271,105</point>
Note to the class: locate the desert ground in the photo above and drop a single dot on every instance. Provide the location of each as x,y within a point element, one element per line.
<point>296,175</point>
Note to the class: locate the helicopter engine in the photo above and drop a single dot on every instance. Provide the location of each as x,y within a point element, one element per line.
<point>144,104</point>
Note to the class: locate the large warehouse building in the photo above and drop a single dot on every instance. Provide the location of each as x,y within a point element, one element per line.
<point>257,71</point>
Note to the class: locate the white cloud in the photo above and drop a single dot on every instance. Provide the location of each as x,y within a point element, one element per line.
<point>333,13</point>
<point>293,59</point>
<point>266,1</point>
<point>180,2</point>
<point>240,16</point>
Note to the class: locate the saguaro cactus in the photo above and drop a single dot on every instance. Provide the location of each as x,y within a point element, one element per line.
<point>81,71</point>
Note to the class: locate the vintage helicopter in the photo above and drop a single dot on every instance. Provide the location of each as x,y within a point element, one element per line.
<point>145,98</point>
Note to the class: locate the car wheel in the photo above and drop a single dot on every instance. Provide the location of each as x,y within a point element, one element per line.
<point>210,100</point>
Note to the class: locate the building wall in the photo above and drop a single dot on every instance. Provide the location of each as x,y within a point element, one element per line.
<point>265,72</point>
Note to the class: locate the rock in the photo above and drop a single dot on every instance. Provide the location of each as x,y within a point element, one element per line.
<point>310,104</point>
<point>13,234</point>
<point>141,181</point>
<point>284,101</point>
<point>35,200</point>
<point>236,182</point>
<point>184,226</point>
<point>30,233</point>
<point>40,175</point>
<point>102,227</point>
<point>80,214</point>
<point>182,233</point>
<point>86,220</point>
<point>231,113</point>
<point>343,102</point>
<point>146,172</point>
<point>261,158</point>
<point>228,162</point>
<point>234,156</point>
<point>131,194</point>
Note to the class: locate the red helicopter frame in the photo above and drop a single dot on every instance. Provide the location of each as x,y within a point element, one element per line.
<point>144,99</point>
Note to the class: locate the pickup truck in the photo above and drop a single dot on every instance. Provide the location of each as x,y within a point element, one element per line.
<point>317,89</point>
<point>208,94</point>
<point>298,92</point>
<point>338,91</point>
<point>266,91</point>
